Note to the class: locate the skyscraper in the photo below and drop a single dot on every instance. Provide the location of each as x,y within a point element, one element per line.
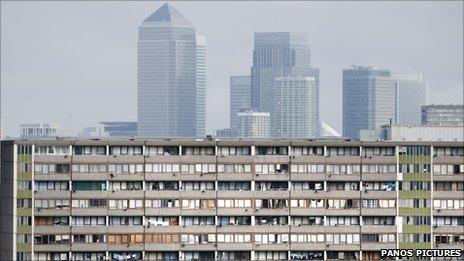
<point>369,99</point>
<point>296,103</point>
<point>166,75</point>
<point>278,54</point>
<point>201,87</point>
<point>412,95</point>
<point>240,97</point>
<point>442,115</point>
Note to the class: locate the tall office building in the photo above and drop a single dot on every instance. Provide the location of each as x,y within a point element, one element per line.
<point>442,115</point>
<point>296,108</point>
<point>253,124</point>
<point>240,97</point>
<point>166,75</point>
<point>201,87</point>
<point>275,55</point>
<point>412,95</point>
<point>369,99</point>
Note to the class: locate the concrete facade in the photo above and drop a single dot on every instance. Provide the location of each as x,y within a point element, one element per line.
<point>249,199</point>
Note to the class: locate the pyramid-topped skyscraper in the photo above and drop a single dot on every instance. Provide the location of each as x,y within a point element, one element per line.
<point>167,72</point>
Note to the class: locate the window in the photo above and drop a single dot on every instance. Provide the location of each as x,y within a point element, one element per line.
<point>197,185</point>
<point>198,238</point>
<point>186,150</point>
<point>271,220</point>
<point>234,221</point>
<point>448,204</point>
<point>342,203</point>
<point>51,204</point>
<point>271,168</point>
<point>342,239</point>
<point>125,150</point>
<point>378,151</point>
<point>261,150</point>
<point>89,168</point>
<point>162,221</point>
<point>349,151</point>
<point>271,203</point>
<point>198,168</point>
<point>342,221</point>
<point>271,255</point>
<point>51,221</point>
<point>307,203</point>
<point>234,168</point>
<point>89,150</point>
<point>234,151</point>
<point>77,238</point>
<point>126,168</point>
<point>198,221</point>
<point>307,238</point>
<point>307,221</point>
<point>89,185</point>
<point>271,238</point>
<point>162,168</point>
<point>125,221</point>
<point>160,150</point>
<point>311,151</point>
<point>88,221</point>
<point>343,169</point>
<point>125,185</point>
<point>162,203</point>
<point>234,185</point>
<point>198,204</point>
<point>125,203</point>
<point>163,185</point>
<point>234,203</point>
<point>271,185</point>
<point>307,185</point>
<point>51,185</point>
<point>233,238</point>
<point>378,221</point>
<point>125,238</point>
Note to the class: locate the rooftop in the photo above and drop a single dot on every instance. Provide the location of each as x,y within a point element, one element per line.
<point>167,14</point>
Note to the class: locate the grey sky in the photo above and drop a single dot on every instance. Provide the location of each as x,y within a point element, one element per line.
<point>81,57</point>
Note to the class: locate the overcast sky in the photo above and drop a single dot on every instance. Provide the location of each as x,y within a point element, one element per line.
<point>59,58</point>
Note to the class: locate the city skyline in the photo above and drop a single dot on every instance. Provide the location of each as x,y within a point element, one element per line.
<point>19,76</point>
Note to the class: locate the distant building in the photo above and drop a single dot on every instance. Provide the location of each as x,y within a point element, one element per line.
<point>39,130</point>
<point>226,133</point>
<point>296,108</point>
<point>414,133</point>
<point>167,51</point>
<point>326,131</point>
<point>93,132</point>
<point>200,113</point>
<point>369,99</point>
<point>252,124</point>
<point>278,54</point>
<point>111,129</point>
<point>412,95</point>
<point>443,115</point>
<point>240,97</point>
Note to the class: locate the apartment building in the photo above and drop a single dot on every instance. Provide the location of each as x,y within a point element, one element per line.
<point>256,199</point>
